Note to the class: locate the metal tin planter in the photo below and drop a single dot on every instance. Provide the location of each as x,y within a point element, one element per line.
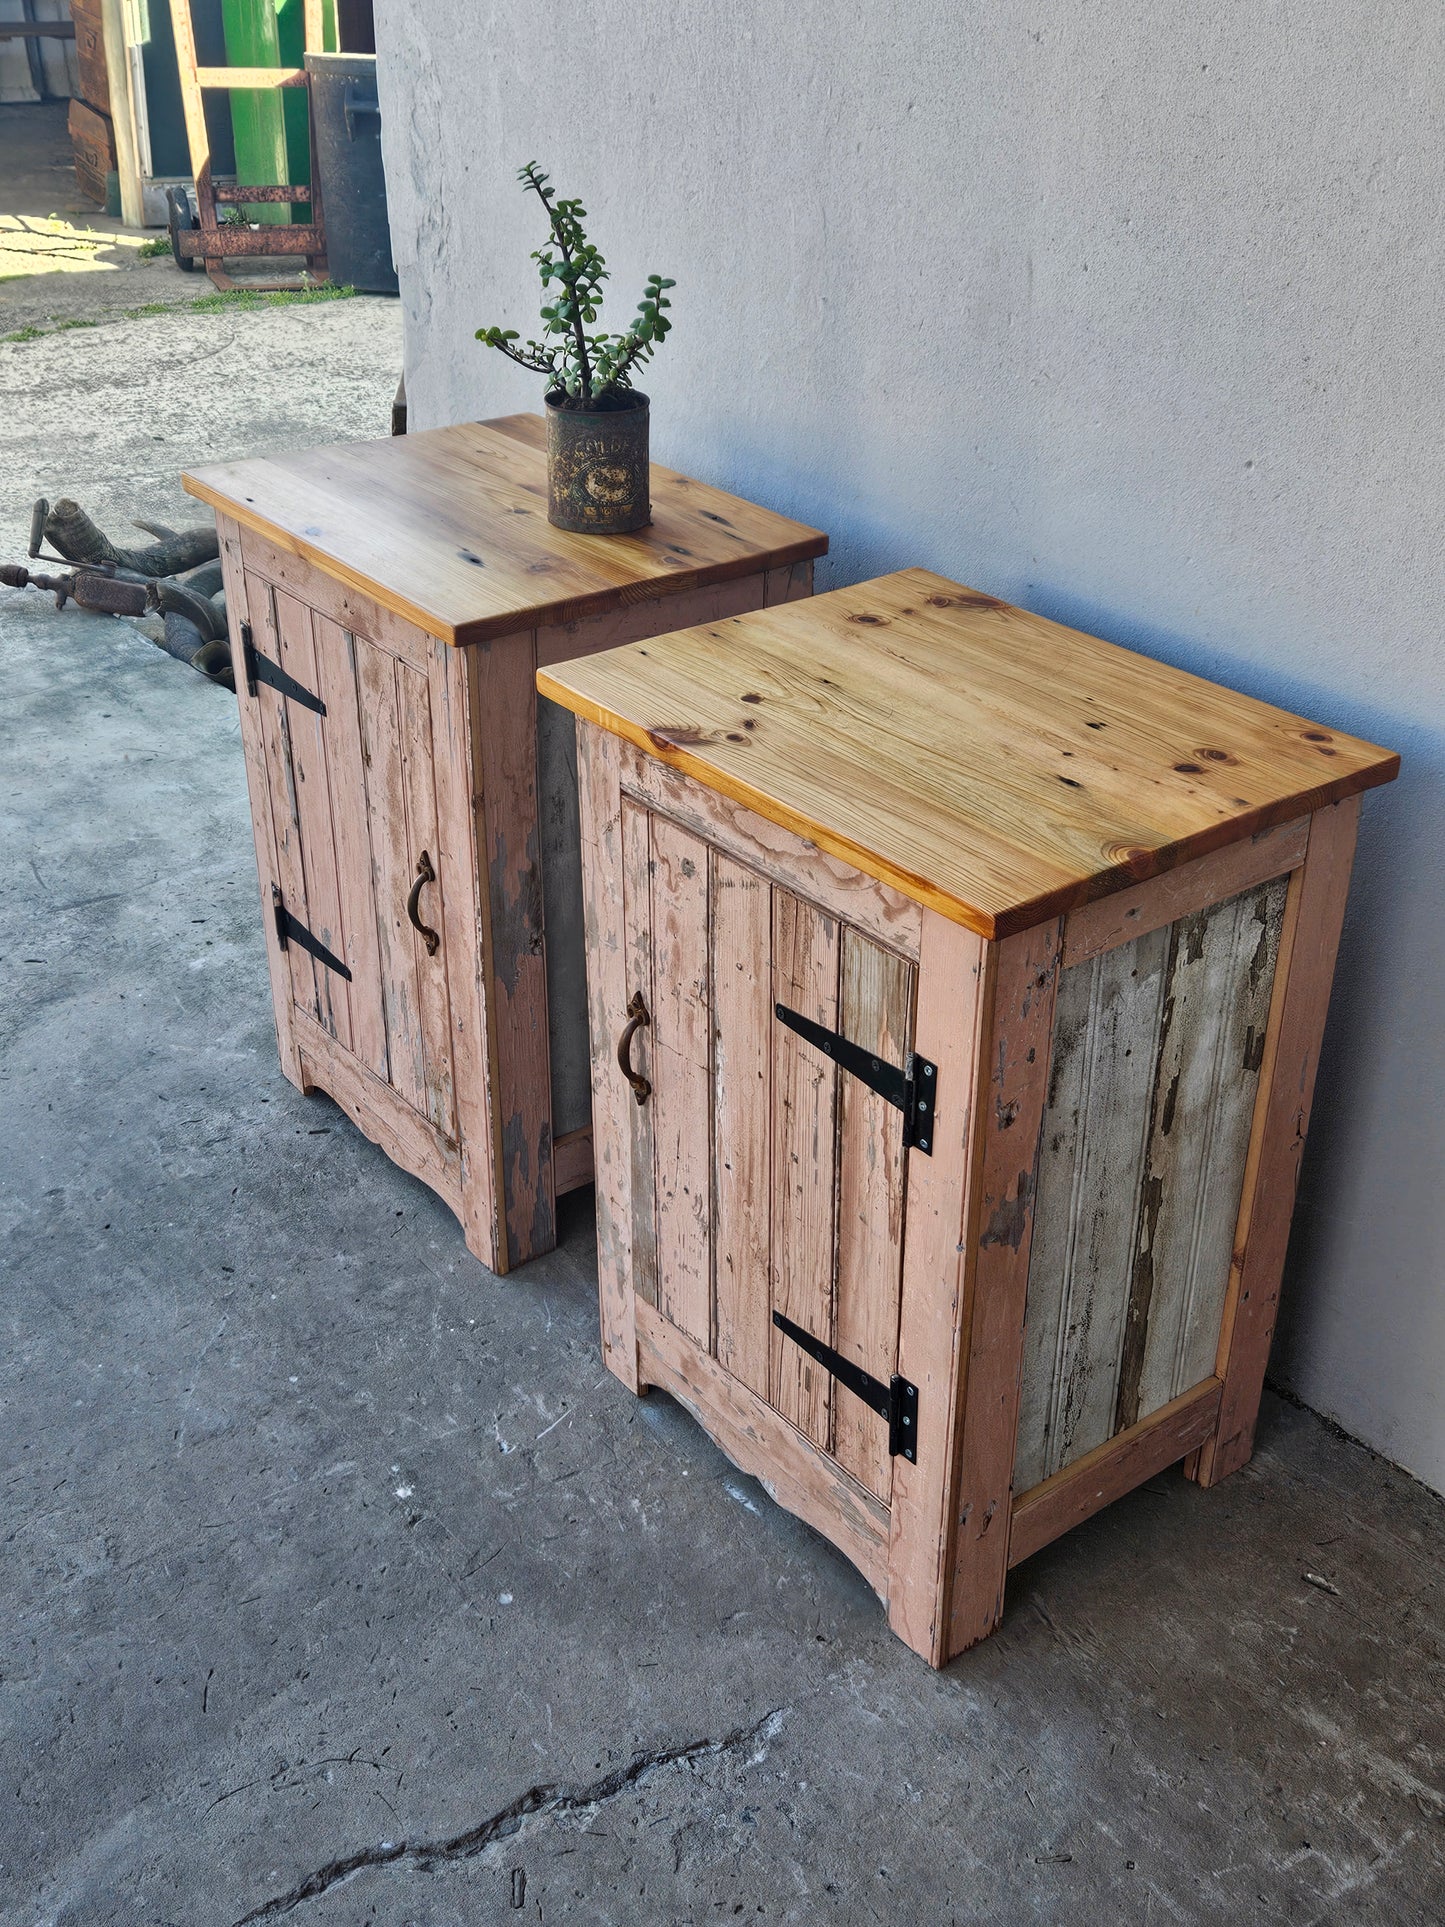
<point>597,468</point>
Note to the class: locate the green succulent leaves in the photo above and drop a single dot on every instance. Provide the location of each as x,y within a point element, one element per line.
<point>587,367</point>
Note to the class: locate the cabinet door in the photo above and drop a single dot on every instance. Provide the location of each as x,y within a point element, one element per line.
<point>764,1178</point>
<point>353,810</point>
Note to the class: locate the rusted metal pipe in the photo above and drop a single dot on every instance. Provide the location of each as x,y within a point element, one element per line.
<point>98,589</point>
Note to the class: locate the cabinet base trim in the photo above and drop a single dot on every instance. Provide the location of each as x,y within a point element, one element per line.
<point>1076,1493</point>
<point>382,1116</point>
<point>763,1444</point>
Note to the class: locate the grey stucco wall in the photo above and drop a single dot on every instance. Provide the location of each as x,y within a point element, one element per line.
<point>1128,313</point>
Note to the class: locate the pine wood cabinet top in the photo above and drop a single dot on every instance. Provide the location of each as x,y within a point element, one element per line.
<point>985,761</point>
<point>448,529</point>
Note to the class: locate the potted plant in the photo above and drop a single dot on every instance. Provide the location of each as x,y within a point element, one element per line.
<point>597,474</point>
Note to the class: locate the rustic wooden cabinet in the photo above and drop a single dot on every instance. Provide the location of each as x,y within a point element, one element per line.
<point>414,805</point>
<point>957,984</point>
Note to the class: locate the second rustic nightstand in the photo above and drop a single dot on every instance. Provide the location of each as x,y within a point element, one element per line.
<point>415,807</point>
<point>957,983</point>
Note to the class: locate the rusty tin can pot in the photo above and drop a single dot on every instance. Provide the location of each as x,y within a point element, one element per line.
<point>597,467</point>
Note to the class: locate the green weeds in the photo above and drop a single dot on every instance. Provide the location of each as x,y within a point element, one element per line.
<point>231,301</point>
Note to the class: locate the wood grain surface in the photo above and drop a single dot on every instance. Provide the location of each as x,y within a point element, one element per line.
<point>988,763</point>
<point>449,530</point>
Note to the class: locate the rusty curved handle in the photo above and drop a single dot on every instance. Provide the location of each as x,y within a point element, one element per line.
<point>636,1017</point>
<point>425,874</point>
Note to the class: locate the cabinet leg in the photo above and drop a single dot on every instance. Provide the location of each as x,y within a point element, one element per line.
<point>1314,914</point>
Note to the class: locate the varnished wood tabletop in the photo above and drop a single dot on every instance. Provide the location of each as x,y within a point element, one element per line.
<point>985,761</point>
<point>449,530</point>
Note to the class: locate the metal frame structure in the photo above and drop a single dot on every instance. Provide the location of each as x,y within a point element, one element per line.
<point>209,241</point>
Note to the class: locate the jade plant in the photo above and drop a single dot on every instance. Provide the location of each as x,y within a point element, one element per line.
<point>584,370</point>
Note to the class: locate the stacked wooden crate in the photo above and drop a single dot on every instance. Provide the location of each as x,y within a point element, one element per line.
<point>92,132</point>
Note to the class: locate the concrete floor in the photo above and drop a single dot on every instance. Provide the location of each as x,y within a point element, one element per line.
<point>60,255</point>
<point>340,1583</point>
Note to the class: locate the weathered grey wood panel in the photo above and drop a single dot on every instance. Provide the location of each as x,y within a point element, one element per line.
<point>1091,1163</point>
<point>1211,1047</point>
<point>1154,1070</point>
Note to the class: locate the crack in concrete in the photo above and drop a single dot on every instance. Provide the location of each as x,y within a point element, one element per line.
<point>425,1856</point>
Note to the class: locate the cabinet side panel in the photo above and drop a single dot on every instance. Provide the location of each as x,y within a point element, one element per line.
<point>418,763</point>
<point>875,1011</point>
<point>1217,1008</point>
<point>391,873</point>
<point>788,584</point>
<point>681,1101</point>
<point>1091,1166</point>
<point>308,734</point>
<point>741,928</point>
<point>608,990</point>
<point>805,978</point>
<point>505,708</point>
<point>346,779</point>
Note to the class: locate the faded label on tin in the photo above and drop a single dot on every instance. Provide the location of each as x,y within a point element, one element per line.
<point>599,480</point>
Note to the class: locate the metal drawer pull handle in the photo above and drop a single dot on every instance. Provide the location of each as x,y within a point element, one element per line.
<point>636,1017</point>
<point>424,874</point>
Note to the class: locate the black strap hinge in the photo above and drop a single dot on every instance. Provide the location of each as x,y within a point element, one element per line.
<point>897,1401</point>
<point>912,1090</point>
<point>290,929</point>
<point>259,668</point>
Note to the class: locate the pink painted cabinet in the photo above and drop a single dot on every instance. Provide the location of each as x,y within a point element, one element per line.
<point>956,987</point>
<point>414,802</point>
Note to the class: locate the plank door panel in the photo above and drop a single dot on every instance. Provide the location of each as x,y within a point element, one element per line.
<point>352,797</point>
<point>311,795</point>
<point>804,1160</point>
<point>876,1011</point>
<point>743,1025</point>
<point>336,686</point>
<point>429,971</point>
<point>681,1057</point>
<point>391,869</point>
<point>637,947</point>
<point>764,1179</point>
<point>272,711</point>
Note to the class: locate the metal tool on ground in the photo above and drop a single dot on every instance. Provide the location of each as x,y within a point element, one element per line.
<point>177,575</point>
